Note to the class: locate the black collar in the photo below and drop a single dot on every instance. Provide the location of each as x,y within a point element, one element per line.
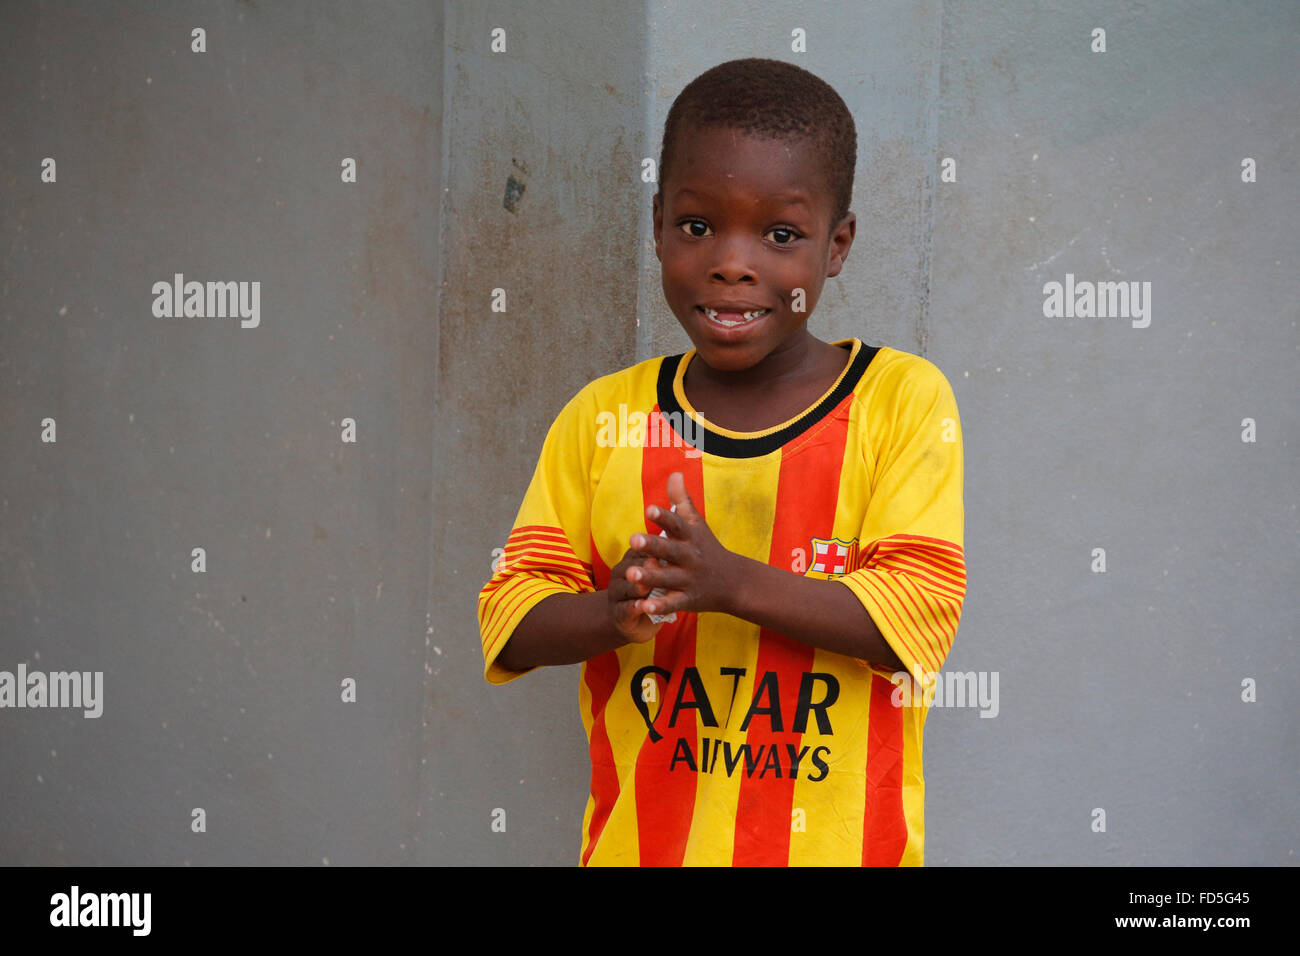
<point>729,446</point>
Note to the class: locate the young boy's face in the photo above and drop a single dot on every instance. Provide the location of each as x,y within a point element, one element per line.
<point>745,222</point>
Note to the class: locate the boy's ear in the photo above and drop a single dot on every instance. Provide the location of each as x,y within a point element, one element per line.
<point>841,242</point>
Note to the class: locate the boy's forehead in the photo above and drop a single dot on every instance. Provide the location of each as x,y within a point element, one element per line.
<point>777,170</point>
<point>787,151</point>
<point>709,185</point>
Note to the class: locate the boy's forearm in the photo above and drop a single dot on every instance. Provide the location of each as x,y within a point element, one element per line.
<point>822,614</point>
<point>562,629</point>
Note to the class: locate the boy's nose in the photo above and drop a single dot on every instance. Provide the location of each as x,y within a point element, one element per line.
<point>733,262</point>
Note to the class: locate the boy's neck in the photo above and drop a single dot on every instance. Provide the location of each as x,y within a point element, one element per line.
<point>774,390</point>
<point>806,356</point>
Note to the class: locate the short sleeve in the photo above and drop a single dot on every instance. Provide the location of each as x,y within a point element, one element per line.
<point>910,569</point>
<point>548,550</point>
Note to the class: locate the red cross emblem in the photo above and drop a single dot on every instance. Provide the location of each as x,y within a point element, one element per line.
<point>833,556</point>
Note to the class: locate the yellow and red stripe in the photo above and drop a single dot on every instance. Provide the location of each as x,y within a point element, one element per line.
<point>807,493</point>
<point>665,800</point>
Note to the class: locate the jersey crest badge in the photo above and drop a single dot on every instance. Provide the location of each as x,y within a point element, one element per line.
<point>833,557</point>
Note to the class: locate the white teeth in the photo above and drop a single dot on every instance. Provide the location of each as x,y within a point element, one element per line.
<point>729,323</point>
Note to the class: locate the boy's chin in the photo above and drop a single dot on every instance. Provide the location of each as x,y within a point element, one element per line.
<point>735,356</point>
<point>730,358</point>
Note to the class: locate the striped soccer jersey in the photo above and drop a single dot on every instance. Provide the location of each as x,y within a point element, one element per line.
<point>721,742</point>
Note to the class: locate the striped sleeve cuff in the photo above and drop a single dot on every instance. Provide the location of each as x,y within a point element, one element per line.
<point>537,562</point>
<point>500,612</point>
<point>913,587</point>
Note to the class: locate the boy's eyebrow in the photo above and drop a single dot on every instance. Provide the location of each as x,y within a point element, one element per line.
<point>788,199</point>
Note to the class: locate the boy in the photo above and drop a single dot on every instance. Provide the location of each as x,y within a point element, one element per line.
<point>742,543</point>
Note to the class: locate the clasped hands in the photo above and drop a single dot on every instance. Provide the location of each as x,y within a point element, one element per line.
<point>696,571</point>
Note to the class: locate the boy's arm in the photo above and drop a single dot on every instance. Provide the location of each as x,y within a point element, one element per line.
<point>546,559</point>
<point>541,605</point>
<point>571,628</point>
<point>910,573</point>
<point>562,629</point>
<point>823,614</point>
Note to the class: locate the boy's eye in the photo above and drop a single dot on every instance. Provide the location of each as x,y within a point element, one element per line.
<point>783,235</point>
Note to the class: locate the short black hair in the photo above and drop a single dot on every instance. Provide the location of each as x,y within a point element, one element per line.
<point>770,98</point>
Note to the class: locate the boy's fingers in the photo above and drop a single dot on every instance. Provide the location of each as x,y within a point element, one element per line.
<point>623,586</point>
<point>677,494</point>
<point>664,577</point>
<point>631,559</point>
<point>640,629</point>
<point>666,549</point>
<point>628,609</point>
<point>664,604</point>
<point>627,589</point>
<point>674,524</point>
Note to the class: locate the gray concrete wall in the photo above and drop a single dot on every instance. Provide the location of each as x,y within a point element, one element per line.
<point>222,690</point>
<point>328,560</point>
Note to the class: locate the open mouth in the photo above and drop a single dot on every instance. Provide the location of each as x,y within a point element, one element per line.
<point>731,320</point>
